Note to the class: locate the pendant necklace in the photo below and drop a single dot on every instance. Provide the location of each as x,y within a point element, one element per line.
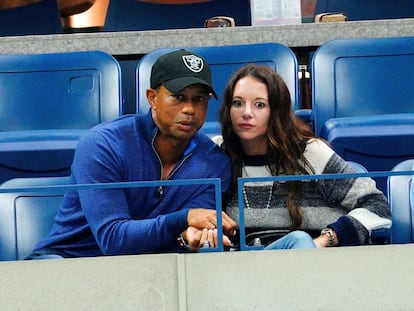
<point>246,200</point>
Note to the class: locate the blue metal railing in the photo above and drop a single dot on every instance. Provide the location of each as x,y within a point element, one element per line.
<point>217,187</point>
<point>216,182</point>
<point>242,180</point>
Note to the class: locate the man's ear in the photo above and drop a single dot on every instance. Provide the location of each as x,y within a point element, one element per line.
<point>151,95</point>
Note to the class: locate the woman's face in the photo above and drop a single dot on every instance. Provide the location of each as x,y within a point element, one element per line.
<point>250,113</point>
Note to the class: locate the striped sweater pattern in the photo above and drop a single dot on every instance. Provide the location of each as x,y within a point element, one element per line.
<point>353,207</point>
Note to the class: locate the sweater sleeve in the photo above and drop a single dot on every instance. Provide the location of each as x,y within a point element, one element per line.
<point>367,206</point>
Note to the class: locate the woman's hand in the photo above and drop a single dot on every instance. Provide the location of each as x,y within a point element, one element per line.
<point>323,240</point>
<point>196,238</point>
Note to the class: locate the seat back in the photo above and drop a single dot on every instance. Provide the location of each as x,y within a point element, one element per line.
<point>27,216</point>
<point>124,15</point>
<point>224,61</point>
<point>367,9</point>
<point>362,102</point>
<point>378,236</point>
<point>47,102</point>
<point>400,197</point>
<point>38,18</point>
<point>362,77</point>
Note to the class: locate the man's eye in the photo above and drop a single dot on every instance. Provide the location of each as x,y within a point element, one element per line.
<point>199,99</point>
<point>178,97</point>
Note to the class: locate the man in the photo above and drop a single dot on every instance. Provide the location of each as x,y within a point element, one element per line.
<point>163,144</point>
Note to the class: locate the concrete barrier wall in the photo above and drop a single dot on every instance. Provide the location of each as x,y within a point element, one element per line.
<point>351,278</point>
<point>309,35</point>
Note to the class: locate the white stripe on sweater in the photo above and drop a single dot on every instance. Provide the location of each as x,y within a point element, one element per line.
<point>370,220</point>
<point>318,153</point>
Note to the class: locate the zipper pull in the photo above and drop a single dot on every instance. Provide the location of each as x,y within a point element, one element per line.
<point>160,193</point>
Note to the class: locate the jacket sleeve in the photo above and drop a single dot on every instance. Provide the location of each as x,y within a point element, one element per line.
<point>107,210</point>
<point>153,228</point>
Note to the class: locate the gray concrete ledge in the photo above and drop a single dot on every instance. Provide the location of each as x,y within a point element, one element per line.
<point>141,42</point>
<point>347,278</point>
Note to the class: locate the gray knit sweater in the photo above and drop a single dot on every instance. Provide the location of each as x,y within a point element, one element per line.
<point>353,207</point>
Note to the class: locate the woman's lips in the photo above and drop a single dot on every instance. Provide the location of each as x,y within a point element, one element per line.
<point>246,126</point>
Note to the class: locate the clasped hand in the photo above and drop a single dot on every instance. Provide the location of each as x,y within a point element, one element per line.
<point>202,226</point>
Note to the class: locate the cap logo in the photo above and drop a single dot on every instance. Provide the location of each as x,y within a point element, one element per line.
<point>194,63</point>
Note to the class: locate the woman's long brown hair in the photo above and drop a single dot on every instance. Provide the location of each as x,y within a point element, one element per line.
<point>287,135</point>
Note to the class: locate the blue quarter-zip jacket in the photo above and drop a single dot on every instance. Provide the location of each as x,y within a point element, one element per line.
<point>131,220</point>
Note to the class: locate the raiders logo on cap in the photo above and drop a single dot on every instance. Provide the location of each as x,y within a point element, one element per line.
<point>179,69</point>
<point>194,63</point>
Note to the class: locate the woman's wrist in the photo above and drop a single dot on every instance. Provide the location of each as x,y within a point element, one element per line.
<point>327,238</point>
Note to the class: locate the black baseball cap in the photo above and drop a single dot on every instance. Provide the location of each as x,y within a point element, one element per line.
<point>180,69</point>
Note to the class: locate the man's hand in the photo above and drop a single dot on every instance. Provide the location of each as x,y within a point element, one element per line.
<point>202,218</point>
<point>195,238</point>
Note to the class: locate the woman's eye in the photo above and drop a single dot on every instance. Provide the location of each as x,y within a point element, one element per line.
<point>260,105</point>
<point>237,103</point>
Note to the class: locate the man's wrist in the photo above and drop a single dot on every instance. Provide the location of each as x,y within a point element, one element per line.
<point>182,243</point>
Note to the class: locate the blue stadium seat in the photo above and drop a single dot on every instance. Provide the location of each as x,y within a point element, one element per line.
<point>28,207</point>
<point>39,18</point>
<point>362,100</point>
<point>367,9</point>
<point>378,236</point>
<point>47,102</point>
<point>224,60</point>
<point>124,15</point>
<point>401,199</point>
<point>26,217</point>
<point>379,141</point>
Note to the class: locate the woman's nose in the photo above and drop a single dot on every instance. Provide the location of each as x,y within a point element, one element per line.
<point>247,112</point>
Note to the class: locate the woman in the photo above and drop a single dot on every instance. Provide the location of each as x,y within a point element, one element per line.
<point>264,138</point>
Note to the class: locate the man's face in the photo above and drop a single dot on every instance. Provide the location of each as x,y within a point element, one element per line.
<point>179,115</point>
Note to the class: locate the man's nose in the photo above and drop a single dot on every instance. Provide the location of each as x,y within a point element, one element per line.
<point>188,107</point>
